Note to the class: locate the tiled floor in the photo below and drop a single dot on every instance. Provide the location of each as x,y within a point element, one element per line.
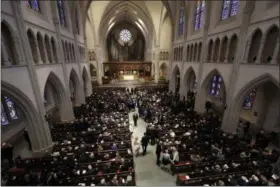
<point>146,170</point>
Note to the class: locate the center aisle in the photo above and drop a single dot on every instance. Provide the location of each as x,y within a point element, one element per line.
<point>147,173</point>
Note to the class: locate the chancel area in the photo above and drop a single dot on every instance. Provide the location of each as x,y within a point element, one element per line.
<point>140,93</point>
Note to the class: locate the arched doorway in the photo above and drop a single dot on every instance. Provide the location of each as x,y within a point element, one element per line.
<point>257,103</point>
<point>56,101</point>
<point>18,113</point>
<point>213,90</point>
<point>76,92</point>
<point>87,83</point>
<point>190,84</point>
<point>93,73</point>
<point>176,80</point>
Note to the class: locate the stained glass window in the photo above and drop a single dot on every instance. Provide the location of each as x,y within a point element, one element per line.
<point>61,13</point>
<point>229,8</point>
<point>181,21</point>
<point>11,108</point>
<point>4,119</point>
<point>34,4</point>
<point>249,100</point>
<point>234,7</point>
<point>199,15</point>
<point>215,86</point>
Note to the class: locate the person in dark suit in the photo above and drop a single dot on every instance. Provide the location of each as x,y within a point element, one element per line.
<point>144,142</point>
<point>135,119</point>
<point>7,153</point>
<point>158,152</point>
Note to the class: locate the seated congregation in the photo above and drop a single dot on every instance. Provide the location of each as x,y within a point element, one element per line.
<point>93,150</point>
<point>194,147</point>
<point>96,149</point>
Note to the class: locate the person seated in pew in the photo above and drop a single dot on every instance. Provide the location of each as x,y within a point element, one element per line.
<point>114,147</point>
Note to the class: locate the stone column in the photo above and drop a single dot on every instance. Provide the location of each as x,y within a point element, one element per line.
<point>46,53</point>
<point>219,52</point>
<point>227,52</point>
<point>67,114</point>
<point>247,50</point>
<point>40,133</point>
<point>5,56</point>
<point>212,52</point>
<point>40,61</point>
<point>231,117</point>
<point>260,52</point>
<point>276,52</point>
<point>199,101</point>
<point>18,51</point>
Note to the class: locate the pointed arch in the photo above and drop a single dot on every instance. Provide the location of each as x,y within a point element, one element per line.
<point>7,36</point>
<point>238,100</point>
<point>60,96</point>
<point>48,48</point>
<point>224,48</point>
<point>189,81</point>
<point>35,123</point>
<point>210,49</point>
<point>255,45</point>
<point>272,37</point>
<point>53,42</point>
<point>33,45</point>
<point>217,92</point>
<point>232,48</point>
<point>216,50</point>
<point>75,88</point>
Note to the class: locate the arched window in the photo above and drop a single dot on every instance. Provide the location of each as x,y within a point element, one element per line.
<point>8,111</point>
<point>199,15</point>
<point>229,8</point>
<point>215,85</point>
<point>33,4</point>
<point>249,100</point>
<point>61,12</point>
<point>77,21</point>
<point>181,21</point>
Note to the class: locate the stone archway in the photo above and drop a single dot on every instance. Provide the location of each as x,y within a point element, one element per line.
<point>263,112</point>
<point>175,83</point>
<point>37,127</point>
<point>76,91</point>
<point>58,100</point>
<point>189,82</point>
<point>213,89</point>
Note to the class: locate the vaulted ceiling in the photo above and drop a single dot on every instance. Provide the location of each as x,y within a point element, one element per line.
<point>148,16</point>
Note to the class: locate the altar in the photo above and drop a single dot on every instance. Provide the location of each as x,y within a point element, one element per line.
<point>127,70</point>
<point>128,77</point>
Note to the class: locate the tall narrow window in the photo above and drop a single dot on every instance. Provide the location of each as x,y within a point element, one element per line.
<point>249,100</point>
<point>77,22</point>
<point>229,9</point>
<point>61,12</point>
<point>181,21</point>
<point>215,86</point>
<point>33,4</point>
<point>199,15</point>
